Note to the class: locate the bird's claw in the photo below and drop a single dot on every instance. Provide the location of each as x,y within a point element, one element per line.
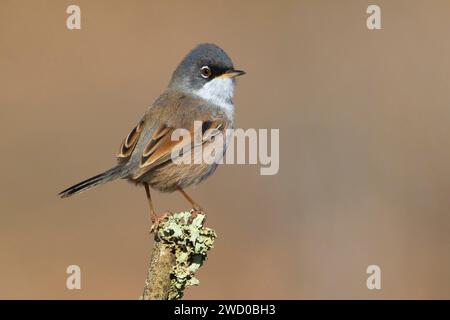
<point>157,220</point>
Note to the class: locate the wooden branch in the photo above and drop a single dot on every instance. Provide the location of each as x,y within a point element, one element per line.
<point>181,247</point>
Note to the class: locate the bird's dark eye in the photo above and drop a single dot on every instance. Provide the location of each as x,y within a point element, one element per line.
<point>205,71</point>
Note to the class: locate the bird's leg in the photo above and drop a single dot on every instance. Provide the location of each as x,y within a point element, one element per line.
<point>190,200</point>
<point>155,219</point>
<point>150,203</point>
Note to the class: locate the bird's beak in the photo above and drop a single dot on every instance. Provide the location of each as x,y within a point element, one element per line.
<point>233,73</point>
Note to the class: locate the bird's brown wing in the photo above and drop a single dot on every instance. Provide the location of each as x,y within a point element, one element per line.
<point>129,143</point>
<point>160,147</point>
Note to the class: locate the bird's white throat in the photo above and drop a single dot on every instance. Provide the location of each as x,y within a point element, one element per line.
<point>219,91</point>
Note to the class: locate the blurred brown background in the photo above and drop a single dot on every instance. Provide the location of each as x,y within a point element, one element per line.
<point>365,148</point>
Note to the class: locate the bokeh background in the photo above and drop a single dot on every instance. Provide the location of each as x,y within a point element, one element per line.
<point>364,120</point>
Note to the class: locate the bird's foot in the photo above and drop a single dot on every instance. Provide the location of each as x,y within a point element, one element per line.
<point>196,210</point>
<point>157,219</point>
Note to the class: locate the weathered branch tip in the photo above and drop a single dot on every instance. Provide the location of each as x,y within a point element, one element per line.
<point>181,247</point>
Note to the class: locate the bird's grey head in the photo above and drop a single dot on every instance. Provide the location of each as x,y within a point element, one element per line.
<point>207,72</point>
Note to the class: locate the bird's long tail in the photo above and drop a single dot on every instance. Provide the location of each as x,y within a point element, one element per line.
<point>109,175</point>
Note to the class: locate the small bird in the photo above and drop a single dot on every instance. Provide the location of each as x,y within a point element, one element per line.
<point>201,89</point>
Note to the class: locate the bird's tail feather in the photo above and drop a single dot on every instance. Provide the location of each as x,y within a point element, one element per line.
<point>109,175</point>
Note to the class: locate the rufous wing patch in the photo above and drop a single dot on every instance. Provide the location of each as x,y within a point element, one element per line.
<point>129,143</point>
<point>159,149</point>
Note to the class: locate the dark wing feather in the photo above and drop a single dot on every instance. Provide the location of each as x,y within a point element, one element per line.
<point>129,143</point>
<point>160,147</point>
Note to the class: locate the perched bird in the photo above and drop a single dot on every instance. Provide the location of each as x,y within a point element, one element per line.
<point>201,89</point>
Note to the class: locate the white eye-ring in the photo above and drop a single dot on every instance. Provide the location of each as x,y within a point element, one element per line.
<point>205,71</point>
